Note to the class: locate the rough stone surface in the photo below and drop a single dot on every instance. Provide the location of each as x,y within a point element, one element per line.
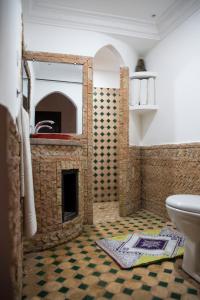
<point>134,179</point>
<point>125,206</point>
<point>48,163</point>
<point>168,170</point>
<point>15,216</point>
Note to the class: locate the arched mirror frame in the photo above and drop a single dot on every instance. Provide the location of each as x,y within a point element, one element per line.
<point>87,82</point>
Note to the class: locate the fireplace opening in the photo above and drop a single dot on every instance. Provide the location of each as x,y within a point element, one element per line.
<point>69,194</point>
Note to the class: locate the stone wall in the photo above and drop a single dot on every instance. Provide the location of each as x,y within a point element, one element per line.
<point>125,203</point>
<point>48,163</point>
<point>15,210</point>
<point>168,170</point>
<point>134,179</point>
<point>10,209</point>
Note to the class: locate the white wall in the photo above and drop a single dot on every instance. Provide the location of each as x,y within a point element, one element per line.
<point>106,79</point>
<point>10,54</point>
<point>177,61</point>
<point>40,37</point>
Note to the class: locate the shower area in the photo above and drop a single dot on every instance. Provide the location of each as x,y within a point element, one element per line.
<point>106,99</point>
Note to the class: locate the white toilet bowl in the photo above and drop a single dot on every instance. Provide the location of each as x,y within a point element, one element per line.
<point>184,211</point>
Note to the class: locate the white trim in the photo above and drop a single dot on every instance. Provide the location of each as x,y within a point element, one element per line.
<point>59,15</point>
<point>176,14</point>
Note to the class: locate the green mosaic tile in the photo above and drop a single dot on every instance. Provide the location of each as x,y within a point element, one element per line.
<point>92,266</point>
<point>146,287</point>
<point>113,271</point>
<point>108,295</point>
<point>83,286</point>
<point>58,270</point>
<point>39,265</point>
<point>75,268</point>
<point>127,291</point>
<point>63,290</point>
<point>60,279</point>
<point>72,260</point>
<point>179,280</point>
<point>96,274</point>
<point>192,291</point>
<point>163,284</point>
<point>119,280</point>
<point>40,273</point>
<point>88,297</point>
<point>78,276</point>
<point>136,277</point>
<point>107,263</point>
<point>175,296</point>
<point>39,257</point>
<point>42,294</point>
<point>167,271</point>
<point>41,282</point>
<point>102,283</point>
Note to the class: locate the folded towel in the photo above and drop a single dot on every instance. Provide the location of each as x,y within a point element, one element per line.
<point>143,92</point>
<point>151,91</point>
<point>136,91</point>
<point>30,222</point>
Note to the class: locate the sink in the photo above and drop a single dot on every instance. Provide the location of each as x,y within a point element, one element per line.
<point>53,136</point>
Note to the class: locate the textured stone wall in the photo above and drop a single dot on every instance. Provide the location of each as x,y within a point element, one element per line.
<point>134,179</point>
<point>48,163</point>
<point>15,210</point>
<point>125,204</point>
<point>168,170</point>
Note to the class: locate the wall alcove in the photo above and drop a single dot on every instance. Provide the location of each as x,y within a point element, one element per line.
<point>60,109</point>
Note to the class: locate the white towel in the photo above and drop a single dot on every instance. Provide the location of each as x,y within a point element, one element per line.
<point>19,123</point>
<point>30,222</point>
<point>151,91</point>
<point>143,92</point>
<point>136,91</point>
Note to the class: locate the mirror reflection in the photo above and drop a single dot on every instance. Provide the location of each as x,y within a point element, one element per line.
<point>25,85</point>
<point>56,97</point>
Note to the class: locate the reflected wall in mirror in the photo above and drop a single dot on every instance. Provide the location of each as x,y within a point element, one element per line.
<point>57,93</point>
<point>26,85</point>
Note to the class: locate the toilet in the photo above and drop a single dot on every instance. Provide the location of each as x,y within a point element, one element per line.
<point>184,211</point>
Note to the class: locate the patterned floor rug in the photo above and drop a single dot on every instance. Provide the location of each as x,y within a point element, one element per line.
<point>143,248</point>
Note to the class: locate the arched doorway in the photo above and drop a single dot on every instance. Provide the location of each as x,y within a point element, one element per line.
<point>106,105</point>
<point>60,109</point>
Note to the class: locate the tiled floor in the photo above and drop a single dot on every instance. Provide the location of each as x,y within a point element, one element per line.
<point>80,270</point>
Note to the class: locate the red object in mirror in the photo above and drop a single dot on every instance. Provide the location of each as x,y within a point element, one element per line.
<point>53,136</point>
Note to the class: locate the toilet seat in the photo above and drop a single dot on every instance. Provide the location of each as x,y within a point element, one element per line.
<point>188,203</point>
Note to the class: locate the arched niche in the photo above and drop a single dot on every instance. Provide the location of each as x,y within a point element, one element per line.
<point>107,63</point>
<point>59,108</point>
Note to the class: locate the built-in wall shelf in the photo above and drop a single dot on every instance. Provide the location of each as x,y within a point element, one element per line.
<point>143,92</point>
<point>143,75</point>
<point>143,109</point>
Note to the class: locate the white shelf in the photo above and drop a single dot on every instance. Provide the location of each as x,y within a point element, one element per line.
<point>143,75</point>
<point>143,109</point>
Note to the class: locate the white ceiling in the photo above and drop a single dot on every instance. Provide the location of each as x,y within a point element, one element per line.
<point>139,9</point>
<point>129,20</point>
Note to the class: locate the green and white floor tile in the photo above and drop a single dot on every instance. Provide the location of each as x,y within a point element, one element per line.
<point>80,270</point>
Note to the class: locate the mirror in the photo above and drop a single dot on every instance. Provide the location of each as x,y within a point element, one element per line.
<point>56,93</point>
